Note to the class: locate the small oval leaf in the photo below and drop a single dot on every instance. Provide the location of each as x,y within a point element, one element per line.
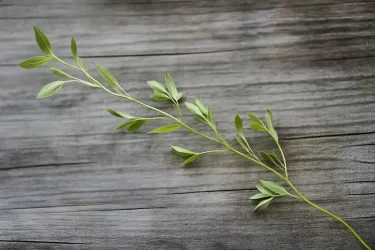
<point>269,119</point>
<point>270,125</point>
<point>275,187</point>
<point>158,96</point>
<point>136,125</point>
<point>264,190</point>
<point>73,47</point>
<point>119,114</point>
<point>179,96</point>
<point>35,62</point>
<point>126,124</point>
<point>182,152</point>
<point>43,41</point>
<point>255,119</point>
<point>272,157</point>
<point>50,89</point>
<point>258,196</point>
<point>165,129</point>
<point>263,204</point>
<point>242,143</point>
<point>171,86</point>
<point>157,87</point>
<point>210,117</point>
<point>80,64</point>
<point>107,76</point>
<point>194,109</point>
<point>201,106</point>
<point>190,159</point>
<point>59,72</point>
<point>257,127</point>
<point>238,124</point>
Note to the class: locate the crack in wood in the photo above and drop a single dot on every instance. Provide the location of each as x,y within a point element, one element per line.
<point>47,165</point>
<point>42,242</point>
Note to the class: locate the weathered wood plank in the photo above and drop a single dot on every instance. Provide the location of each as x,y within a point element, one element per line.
<point>188,27</point>
<point>68,180</point>
<point>321,99</point>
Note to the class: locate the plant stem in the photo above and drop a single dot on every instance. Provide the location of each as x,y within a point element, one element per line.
<point>178,110</point>
<point>221,141</point>
<point>284,160</point>
<point>259,163</point>
<point>127,97</point>
<point>214,151</point>
<point>176,120</point>
<point>328,213</point>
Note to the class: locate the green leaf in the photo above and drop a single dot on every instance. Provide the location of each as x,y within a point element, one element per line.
<point>126,124</point>
<point>93,85</point>
<point>255,119</point>
<point>171,86</point>
<point>179,96</point>
<point>264,190</point>
<point>270,125</point>
<point>238,124</point>
<point>42,41</point>
<point>120,114</point>
<point>258,196</point>
<point>194,109</point>
<point>269,118</point>
<point>157,87</point>
<point>274,187</point>
<point>242,143</point>
<point>257,127</point>
<point>274,134</point>
<point>165,129</point>
<point>59,72</point>
<point>73,47</point>
<point>136,125</point>
<point>50,89</point>
<point>35,62</point>
<point>182,152</point>
<point>200,119</point>
<point>272,157</point>
<point>210,117</point>
<point>77,59</point>
<point>190,159</point>
<point>107,76</point>
<point>201,106</point>
<point>240,136</point>
<point>263,204</point>
<point>158,96</point>
<point>80,64</point>
<point>275,158</point>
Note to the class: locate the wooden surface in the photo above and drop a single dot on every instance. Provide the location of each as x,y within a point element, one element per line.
<point>69,180</point>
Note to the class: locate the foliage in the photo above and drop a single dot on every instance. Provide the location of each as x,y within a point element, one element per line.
<point>168,92</point>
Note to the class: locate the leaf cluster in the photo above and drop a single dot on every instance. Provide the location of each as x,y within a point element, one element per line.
<point>185,153</point>
<point>258,125</point>
<point>201,112</point>
<point>268,191</point>
<point>53,87</point>
<point>168,93</point>
<point>161,92</point>
<point>240,137</point>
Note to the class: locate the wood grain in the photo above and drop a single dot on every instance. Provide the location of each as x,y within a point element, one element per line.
<point>68,180</point>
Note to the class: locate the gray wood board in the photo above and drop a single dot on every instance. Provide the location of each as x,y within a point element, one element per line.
<point>69,180</point>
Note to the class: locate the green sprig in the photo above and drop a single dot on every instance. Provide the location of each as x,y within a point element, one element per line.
<point>268,190</point>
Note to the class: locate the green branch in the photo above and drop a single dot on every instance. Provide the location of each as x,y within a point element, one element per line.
<point>167,92</point>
